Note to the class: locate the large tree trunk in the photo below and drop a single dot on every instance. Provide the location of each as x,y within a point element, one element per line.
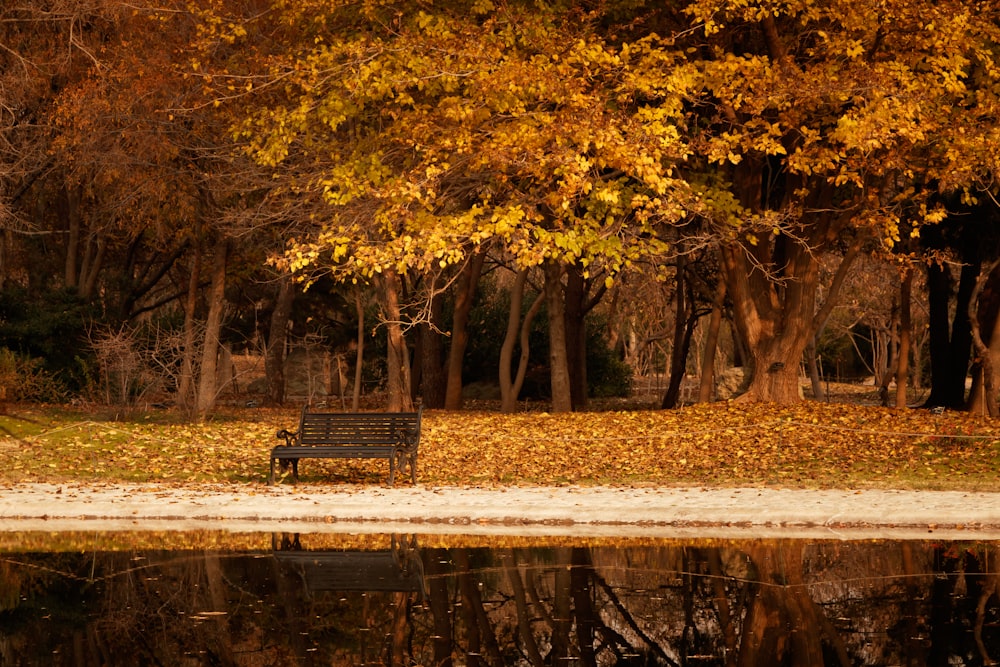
<point>398,357</point>
<point>562,400</point>
<point>464,299</point>
<point>208,377</point>
<point>429,371</point>
<point>950,355</point>
<point>776,326</point>
<point>983,314</point>
<point>772,277</point>
<point>777,315</point>
<point>277,335</point>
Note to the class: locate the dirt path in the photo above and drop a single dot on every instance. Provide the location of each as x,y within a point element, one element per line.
<point>660,512</point>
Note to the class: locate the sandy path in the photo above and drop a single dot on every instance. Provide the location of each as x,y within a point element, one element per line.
<point>661,512</point>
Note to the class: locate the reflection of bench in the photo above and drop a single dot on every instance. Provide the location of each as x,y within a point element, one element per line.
<point>358,435</point>
<point>396,569</point>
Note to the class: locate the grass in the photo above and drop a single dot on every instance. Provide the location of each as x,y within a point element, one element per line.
<point>811,445</point>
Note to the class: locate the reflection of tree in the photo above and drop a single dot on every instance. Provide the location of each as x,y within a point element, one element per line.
<point>482,646</point>
<point>783,624</point>
<point>760,602</point>
<point>440,605</point>
<point>964,605</point>
<point>515,575</point>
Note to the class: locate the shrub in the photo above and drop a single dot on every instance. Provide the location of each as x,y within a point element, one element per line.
<point>23,378</point>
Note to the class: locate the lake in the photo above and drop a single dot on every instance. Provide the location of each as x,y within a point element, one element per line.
<point>223,598</point>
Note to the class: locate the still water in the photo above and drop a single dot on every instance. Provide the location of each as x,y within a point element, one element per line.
<point>209,598</point>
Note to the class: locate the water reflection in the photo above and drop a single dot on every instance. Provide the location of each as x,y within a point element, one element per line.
<point>407,600</point>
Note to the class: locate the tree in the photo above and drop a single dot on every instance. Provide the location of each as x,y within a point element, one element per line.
<point>429,132</point>
<point>822,122</point>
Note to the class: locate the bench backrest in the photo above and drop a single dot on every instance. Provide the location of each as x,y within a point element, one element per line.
<point>359,428</point>
<point>354,570</point>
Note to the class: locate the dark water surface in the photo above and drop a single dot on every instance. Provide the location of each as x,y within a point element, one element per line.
<point>210,598</point>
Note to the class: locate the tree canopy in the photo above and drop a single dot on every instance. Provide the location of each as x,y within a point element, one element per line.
<point>390,142</point>
<point>579,133</point>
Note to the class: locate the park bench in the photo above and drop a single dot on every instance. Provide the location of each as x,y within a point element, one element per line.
<point>359,435</point>
<point>398,568</point>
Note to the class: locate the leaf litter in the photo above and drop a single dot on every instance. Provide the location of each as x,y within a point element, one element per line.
<point>810,444</point>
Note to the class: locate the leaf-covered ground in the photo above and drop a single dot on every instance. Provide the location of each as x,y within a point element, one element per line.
<point>809,445</point>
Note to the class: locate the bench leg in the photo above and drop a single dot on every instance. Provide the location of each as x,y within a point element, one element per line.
<point>413,468</point>
<point>393,465</point>
<point>270,478</point>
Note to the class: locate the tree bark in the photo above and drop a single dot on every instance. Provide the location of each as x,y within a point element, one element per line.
<point>509,389</point>
<point>684,323</point>
<point>91,270</point>
<point>576,336</point>
<point>433,379</point>
<point>185,383</point>
<point>813,366</point>
<point>983,307</point>
<point>359,306</point>
<point>73,237</point>
<point>905,336</point>
<point>562,400</point>
<point>950,354</point>
<point>706,389</point>
<point>464,299</point>
<point>939,285</point>
<point>398,357</point>
<point>208,377</point>
<point>776,327</point>
<point>277,335</point>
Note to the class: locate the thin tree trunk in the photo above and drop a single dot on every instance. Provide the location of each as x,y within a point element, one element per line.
<point>73,237</point>
<point>558,364</point>
<point>277,336</point>
<point>576,335</point>
<point>185,384</point>
<point>684,322</point>
<point>509,389</point>
<point>706,390</point>
<point>398,358</point>
<point>508,396</point>
<point>812,364</point>
<point>359,306</point>
<point>92,269</point>
<point>464,299</point>
<point>208,379</point>
<point>905,333</point>
<point>885,370</point>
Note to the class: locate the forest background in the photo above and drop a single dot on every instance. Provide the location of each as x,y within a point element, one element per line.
<point>549,200</point>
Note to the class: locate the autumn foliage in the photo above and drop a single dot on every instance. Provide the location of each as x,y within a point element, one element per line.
<point>721,444</point>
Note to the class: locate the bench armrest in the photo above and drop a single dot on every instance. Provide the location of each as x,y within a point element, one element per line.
<point>291,437</point>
